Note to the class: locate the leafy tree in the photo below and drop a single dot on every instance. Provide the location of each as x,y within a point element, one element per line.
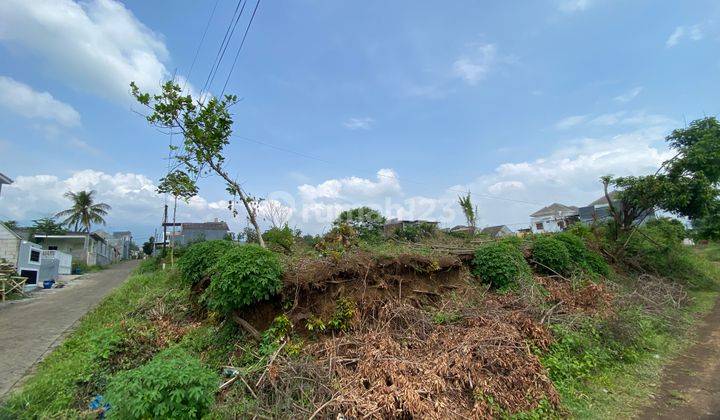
<point>46,226</point>
<point>469,211</point>
<point>368,223</point>
<point>206,128</point>
<point>149,246</point>
<point>687,184</point>
<point>708,226</point>
<point>282,238</point>
<point>10,224</point>
<point>178,184</point>
<point>84,211</point>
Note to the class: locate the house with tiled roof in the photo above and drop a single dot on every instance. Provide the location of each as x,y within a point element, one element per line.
<point>553,218</point>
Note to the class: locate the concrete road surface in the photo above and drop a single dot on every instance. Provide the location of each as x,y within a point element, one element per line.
<point>30,328</point>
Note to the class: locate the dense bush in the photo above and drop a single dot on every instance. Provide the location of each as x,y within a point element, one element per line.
<point>500,264</point>
<point>551,255</point>
<point>243,275</point>
<point>172,385</point>
<point>281,239</point>
<point>581,256</point>
<point>415,232</point>
<point>199,258</point>
<point>368,223</point>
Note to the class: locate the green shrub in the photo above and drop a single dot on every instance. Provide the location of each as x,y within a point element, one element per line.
<point>581,256</point>
<point>281,239</point>
<point>172,385</point>
<point>551,255</point>
<point>148,265</point>
<point>199,258</point>
<point>500,264</point>
<point>415,232</point>
<point>243,275</point>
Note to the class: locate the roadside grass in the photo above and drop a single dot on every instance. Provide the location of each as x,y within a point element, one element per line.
<point>601,372</point>
<point>77,367</point>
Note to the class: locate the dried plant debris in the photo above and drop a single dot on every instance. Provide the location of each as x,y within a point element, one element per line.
<point>405,366</point>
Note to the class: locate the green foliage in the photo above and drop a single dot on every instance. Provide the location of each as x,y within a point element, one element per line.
<point>148,265</point>
<point>315,324</point>
<point>415,232</point>
<point>551,255</point>
<point>84,211</point>
<point>249,235</point>
<point>468,210</point>
<point>500,264</point>
<point>338,240</point>
<point>672,231</point>
<point>444,317</point>
<point>581,256</point>
<point>686,184</point>
<point>47,226</point>
<point>281,239</point>
<point>708,226</point>
<point>199,258</point>
<point>368,223</point>
<point>178,184</point>
<point>172,385</point>
<point>242,276</point>
<point>343,316</point>
<point>149,246</point>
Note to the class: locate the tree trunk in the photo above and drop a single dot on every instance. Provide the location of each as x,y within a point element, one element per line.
<point>244,199</point>
<point>172,244</point>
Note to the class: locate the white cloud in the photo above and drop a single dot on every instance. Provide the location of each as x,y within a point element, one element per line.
<point>573,6</point>
<point>23,100</point>
<point>134,201</point>
<point>694,33</point>
<point>97,46</point>
<point>504,186</point>
<point>570,122</point>
<point>364,123</point>
<point>629,95</point>
<point>352,187</point>
<point>475,67</point>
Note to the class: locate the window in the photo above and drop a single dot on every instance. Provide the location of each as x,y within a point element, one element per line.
<point>34,255</point>
<point>539,226</point>
<point>52,248</point>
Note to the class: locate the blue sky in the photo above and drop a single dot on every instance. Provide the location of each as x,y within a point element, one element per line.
<point>523,105</point>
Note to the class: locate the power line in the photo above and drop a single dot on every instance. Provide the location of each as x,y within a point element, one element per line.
<point>304,155</point>
<point>240,47</point>
<point>224,44</point>
<point>202,39</point>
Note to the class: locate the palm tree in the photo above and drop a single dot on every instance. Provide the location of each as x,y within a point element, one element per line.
<point>84,211</point>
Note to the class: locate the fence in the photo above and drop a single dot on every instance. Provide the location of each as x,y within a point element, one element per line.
<point>64,260</point>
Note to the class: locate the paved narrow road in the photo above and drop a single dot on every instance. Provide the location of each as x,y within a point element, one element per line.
<point>691,383</point>
<point>29,328</point>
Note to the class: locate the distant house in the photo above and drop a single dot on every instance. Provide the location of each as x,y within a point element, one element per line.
<point>121,241</point>
<point>195,232</point>
<point>497,231</point>
<point>90,248</point>
<point>599,210</point>
<point>467,230</point>
<point>553,218</point>
<point>29,258</point>
<point>4,180</point>
<point>394,224</point>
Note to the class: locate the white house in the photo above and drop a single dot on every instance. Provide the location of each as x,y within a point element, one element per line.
<point>553,218</point>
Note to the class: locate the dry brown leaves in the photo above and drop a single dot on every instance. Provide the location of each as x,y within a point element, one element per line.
<point>591,298</point>
<point>404,366</point>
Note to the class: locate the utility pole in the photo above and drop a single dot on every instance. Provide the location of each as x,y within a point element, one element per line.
<point>165,228</point>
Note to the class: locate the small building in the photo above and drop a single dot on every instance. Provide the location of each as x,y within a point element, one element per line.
<point>121,241</point>
<point>4,180</point>
<point>195,232</point>
<point>496,232</point>
<point>553,218</point>
<point>394,224</point>
<point>461,229</point>
<point>89,248</point>
<point>29,259</point>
